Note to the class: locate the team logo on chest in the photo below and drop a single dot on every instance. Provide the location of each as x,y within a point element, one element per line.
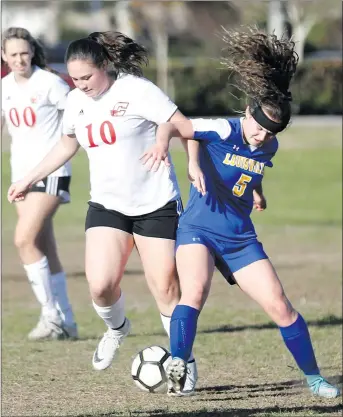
<point>119,109</point>
<point>36,97</point>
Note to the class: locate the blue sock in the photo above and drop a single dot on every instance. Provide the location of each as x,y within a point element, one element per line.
<point>183,327</point>
<point>298,342</point>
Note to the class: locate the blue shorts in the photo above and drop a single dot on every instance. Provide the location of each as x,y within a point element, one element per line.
<point>229,256</point>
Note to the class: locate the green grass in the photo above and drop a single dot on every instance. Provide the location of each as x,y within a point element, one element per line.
<point>243,366</point>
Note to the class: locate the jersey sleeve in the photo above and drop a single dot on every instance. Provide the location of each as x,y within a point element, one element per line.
<point>272,149</point>
<point>58,93</point>
<point>211,130</point>
<point>156,105</point>
<point>69,117</point>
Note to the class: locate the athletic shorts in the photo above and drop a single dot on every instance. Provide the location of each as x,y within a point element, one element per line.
<point>58,186</point>
<point>229,257</point>
<point>161,223</point>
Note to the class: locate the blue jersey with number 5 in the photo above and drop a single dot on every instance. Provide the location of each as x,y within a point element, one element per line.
<point>232,169</point>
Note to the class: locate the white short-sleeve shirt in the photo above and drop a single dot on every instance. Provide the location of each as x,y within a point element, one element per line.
<point>33,114</point>
<point>115,129</point>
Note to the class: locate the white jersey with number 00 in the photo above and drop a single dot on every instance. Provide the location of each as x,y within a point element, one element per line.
<point>33,114</point>
<point>115,129</point>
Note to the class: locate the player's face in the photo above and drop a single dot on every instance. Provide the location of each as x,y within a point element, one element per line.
<point>18,55</point>
<point>88,78</point>
<point>255,134</point>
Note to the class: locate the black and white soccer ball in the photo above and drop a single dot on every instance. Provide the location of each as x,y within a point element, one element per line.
<point>148,369</point>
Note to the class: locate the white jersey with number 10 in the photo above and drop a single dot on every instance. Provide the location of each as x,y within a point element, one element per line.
<point>115,129</point>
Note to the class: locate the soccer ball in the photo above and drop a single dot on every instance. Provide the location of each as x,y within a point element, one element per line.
<point>148,369</point>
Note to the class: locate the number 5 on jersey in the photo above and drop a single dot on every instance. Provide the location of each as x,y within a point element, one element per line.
<point>106,133</point>
<point>241,185</point>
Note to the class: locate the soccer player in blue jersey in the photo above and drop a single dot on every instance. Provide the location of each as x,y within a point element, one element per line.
<point>216,229</point>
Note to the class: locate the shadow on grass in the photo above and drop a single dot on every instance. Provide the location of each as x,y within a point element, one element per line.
<point>268,389</point>
<point>325,321</point>
<point>71,275</point>
<point>233,412</point>
<point>275,386</point>
<point>78,274</point>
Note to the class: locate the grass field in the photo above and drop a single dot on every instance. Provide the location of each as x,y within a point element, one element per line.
<point>244,368</point>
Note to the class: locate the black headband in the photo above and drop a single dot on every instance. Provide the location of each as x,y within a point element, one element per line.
<point>260,117</point>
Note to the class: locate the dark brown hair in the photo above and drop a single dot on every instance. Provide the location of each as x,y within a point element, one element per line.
<point>39,58</point>
<point>262,67</point>
<point>121,52</point>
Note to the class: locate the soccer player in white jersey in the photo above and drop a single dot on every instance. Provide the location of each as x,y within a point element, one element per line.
<point>113,114</point>
<point>33,100</point>
<point>216,229</point>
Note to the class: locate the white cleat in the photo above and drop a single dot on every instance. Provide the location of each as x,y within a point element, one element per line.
<point>108,346</point>
<point>176,374</point>
<point>323,388</point>
<point>191,379</point>
<point>48,329</point>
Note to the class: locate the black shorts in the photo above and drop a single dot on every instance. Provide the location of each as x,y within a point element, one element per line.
<point>161,223</point>
<point>58,186</point>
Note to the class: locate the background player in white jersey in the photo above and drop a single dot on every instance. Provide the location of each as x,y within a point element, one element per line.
<point>113,114</point>
<point>216,228</point>
<point>33,100</point>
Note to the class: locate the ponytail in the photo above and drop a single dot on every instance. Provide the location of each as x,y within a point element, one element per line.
<point>119,51</point>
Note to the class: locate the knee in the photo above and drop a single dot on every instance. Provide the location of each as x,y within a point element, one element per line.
<point>166,288</point>
<point>281,311</point>
<point>195,296</point>
<point>23,241</point>
<point>102,289</point>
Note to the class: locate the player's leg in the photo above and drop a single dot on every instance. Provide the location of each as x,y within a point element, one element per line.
<point>260,281</point>
<point>195,280</point>
<point>47,244</point>
<point>154,236</point>
<point>157,256</point>
<point>155,241</point>
<point>32,213</point>
<point>108,247</point>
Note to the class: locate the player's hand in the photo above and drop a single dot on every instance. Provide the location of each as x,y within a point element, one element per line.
<point>196,177</point>
<point>17,191</point>
<point>153,157</point>
<point>260,202</point>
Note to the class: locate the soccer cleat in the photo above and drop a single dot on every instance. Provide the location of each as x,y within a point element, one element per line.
<point>176,374</point>
<point>191,379</point>
<point>48,329</point>
<point>108,346</point>
<point>323,388</point>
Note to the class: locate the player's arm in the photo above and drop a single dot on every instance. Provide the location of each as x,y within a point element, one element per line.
<point>191,147</point>
<point>165,132</point>
<point>64,150</point>
<point>260,202</point>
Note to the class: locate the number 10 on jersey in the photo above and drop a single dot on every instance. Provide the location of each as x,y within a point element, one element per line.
<point>106,133</point>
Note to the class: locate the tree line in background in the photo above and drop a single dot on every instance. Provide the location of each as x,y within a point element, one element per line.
<point>181,35</point>
<point>184,44</point>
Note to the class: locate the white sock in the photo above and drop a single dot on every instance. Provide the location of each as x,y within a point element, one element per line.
<point>166,325</point>
<point>39,277</point>
<point>59,288</point>
<point>114,315</point>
